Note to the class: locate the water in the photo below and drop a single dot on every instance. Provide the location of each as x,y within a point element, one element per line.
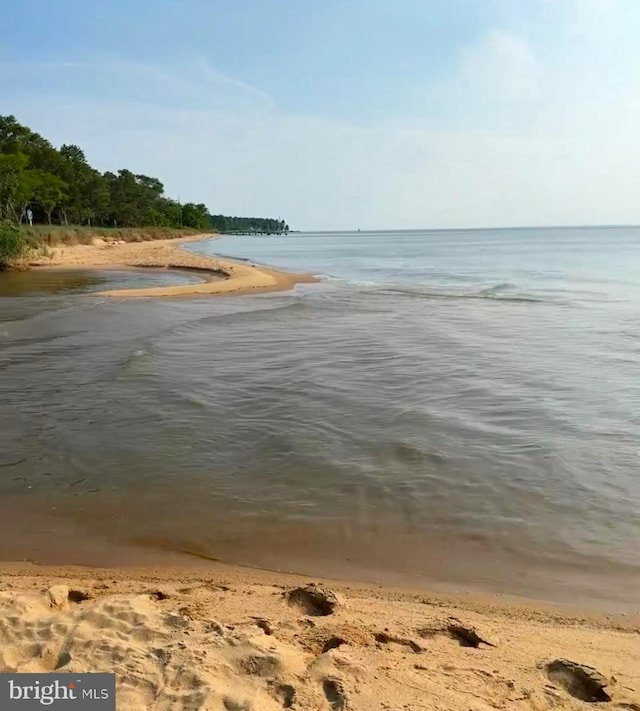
<point>59,281</point>
<point>457,408</point>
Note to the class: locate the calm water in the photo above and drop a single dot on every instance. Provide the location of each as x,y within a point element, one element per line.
<point>58,281</point>
<point>453,407</point>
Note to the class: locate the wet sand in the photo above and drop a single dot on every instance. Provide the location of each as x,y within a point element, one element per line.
<point>219,637</point>
<point>221,276</point>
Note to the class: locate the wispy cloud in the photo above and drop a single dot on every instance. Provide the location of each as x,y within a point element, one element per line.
<point>189,81</point>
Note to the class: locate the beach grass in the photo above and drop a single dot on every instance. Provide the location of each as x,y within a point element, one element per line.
<point>61,235</point>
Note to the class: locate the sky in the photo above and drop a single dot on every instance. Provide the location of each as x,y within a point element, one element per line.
<point>345,114</point>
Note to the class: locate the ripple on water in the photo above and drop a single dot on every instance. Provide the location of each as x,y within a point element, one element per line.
<point>368,430</point>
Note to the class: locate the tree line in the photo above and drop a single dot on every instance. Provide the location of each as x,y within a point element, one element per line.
<point>222,223</point>
<point>58,186</point>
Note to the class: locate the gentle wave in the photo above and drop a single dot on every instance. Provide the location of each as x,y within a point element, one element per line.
<point>494,293</point>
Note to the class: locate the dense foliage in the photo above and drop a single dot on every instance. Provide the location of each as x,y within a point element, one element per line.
<point>14,243</point>
<point>221,223</point>
<point>59,185</point>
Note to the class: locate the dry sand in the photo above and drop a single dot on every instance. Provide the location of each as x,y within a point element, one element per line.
<point>229,639</point>
<point>221,276</point>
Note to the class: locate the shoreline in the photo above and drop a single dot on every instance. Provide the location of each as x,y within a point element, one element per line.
<point>220,276</point>
<point>215,636</point>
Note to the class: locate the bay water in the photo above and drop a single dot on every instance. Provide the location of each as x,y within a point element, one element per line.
<point>444,408</point>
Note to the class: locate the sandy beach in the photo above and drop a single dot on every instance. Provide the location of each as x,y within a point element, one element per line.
<point>220,276</point>
<point>219,637</point>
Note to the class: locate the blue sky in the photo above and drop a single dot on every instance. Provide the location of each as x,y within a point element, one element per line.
<point>345,113</point>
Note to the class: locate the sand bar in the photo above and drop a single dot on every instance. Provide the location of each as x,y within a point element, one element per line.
<point>220,276</point>
<point>220,637</point>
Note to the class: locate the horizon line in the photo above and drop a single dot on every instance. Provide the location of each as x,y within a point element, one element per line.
<point>471,229</point>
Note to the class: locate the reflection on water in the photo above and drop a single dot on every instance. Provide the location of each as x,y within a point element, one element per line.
<point>365,426</point>
<point>50,280</point>
<point>41,281</point>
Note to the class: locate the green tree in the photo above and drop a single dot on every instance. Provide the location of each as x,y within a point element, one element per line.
<point>49,193</point>
<point>76,172</point>
<point>124,194</point>
<point>13,136</point>
<point>28,183</point>
<point>171,212</point>
<point>96,198</point>
<point>73,154</point>
<point>196,216</point>
<point>12,183</point>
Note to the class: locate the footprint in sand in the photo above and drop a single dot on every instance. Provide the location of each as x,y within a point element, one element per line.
<point>312,599</point>
<point>582,682</point>
<point>286,694</point>
<point>386,638</point>
<point>335,694</point>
